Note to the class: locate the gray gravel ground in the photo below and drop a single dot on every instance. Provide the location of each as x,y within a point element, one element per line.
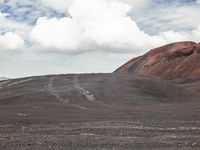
<point>97,112</point>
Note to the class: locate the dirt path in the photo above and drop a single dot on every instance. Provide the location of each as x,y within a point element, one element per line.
<point>90,97</point>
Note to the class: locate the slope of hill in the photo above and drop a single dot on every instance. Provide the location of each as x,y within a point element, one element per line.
<point>88,89</point>
<point>97,111</point>
<point>176,60</point>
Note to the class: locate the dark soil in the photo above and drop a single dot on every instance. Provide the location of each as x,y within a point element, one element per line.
<point>97,112</point>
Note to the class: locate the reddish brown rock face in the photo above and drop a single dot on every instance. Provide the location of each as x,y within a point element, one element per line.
<point>176,60</point>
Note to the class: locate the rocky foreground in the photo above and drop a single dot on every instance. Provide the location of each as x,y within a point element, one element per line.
<point>98,111</point>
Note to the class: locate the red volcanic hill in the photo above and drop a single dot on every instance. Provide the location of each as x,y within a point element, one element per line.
<point>176,60</point>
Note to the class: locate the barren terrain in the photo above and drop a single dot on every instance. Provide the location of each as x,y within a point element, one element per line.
<point>98,111</point>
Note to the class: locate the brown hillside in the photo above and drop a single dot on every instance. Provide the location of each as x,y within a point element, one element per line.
<point>176,60</point>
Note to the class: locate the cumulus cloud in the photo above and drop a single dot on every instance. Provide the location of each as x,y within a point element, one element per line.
<point>59,34</point>
<point>98,24</point>
<point>22,29</point>
<point>11,41</point>
<point>93,25</point>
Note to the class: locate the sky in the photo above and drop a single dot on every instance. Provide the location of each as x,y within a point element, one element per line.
<point>39,37</point>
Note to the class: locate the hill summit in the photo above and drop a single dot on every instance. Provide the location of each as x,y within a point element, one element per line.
<point>176,60</point>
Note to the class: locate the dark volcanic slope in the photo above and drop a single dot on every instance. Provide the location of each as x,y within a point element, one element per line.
<point>97,111</point>
<point>89,89</point>
<point>176,60</point>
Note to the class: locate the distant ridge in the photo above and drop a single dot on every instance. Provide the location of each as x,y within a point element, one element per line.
<point>3,78</point>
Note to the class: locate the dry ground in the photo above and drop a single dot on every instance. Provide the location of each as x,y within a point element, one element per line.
<point>97,111</point>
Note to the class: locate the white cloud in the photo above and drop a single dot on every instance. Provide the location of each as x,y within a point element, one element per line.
<point>22,29</point>
<point>94,25</point>
<point>171,36</point>
<point>10,31</point>
<point>57,34</point>
<point>11,41</point>
<point>98,24</point>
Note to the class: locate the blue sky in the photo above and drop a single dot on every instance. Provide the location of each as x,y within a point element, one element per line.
<point>77,36</point>
<point>27,11</point>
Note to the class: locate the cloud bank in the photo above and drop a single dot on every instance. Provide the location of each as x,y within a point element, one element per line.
<point>92,25</point>
<point>100,25</point>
